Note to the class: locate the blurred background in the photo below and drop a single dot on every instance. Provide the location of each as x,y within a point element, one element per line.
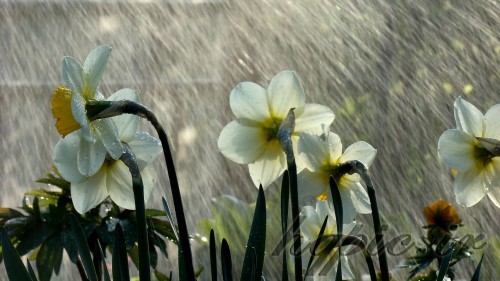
<point>390,70</point>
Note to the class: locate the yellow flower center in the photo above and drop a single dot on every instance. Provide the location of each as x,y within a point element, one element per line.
<point>271,127</point>
<point>61,110</point>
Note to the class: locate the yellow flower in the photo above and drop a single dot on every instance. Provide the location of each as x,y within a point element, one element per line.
<point>477,167</point>
<point>442,214</point>
<point>252,138</point>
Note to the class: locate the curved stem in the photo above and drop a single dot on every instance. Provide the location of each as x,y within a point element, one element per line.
<point>125,106</point>
<point>129,160</point>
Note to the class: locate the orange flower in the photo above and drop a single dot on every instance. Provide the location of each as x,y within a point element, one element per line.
<point>442,214</point>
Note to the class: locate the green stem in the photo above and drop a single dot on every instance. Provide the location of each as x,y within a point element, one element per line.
<point>125,106</point>
<point>129,160</point>
<point>359,168</point>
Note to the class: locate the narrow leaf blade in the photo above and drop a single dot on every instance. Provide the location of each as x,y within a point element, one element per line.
<point>13,263</point>
<point>83,248</point>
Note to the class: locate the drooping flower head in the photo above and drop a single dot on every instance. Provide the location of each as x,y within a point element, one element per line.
<point>326,255</point>
<point>113,178</point>
<point>322,155</point>
<point>442,219</point>
<point>252,138</point>
<point>470,151</point>
<point>99,137</point>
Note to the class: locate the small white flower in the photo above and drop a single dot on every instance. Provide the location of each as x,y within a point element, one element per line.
<point>321,157</point>
<point>113,178</point>
<point>326,259</point>
<point>251,138</point>
<point>98,137</point>
<point>478,170</point>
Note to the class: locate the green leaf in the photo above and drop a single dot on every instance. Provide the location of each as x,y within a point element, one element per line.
<point>170,219</point>
<point>161,277</point>
<point>57,181</point>
<point>104,265</point>
<point>120,263</point>
<point>162,227</point>
<point>49,257</point>
<point>477,272</point>
<point>252,269</point>
<point>154,213</point>
<point>70,245</point>
<point>227,266</point>
<point>83,248</point>
<point>213,256</point>
<point>13,263</point>
<point>8,213</point>
<point>445,263</point>
<point>31,272</point>
<point>339,216</point>
<point>33,236</point>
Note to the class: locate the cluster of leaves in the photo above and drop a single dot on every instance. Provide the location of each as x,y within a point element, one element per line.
<point>42,228</point>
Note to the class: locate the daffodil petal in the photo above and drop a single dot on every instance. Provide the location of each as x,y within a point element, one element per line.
<point>313,116</point>
<point>469,187</point>
<point>65,158</point>
<point>468,118</point>
<point>361,151</point>
<point>90,157</point>
<point>119,185</point>
<point>348,207</point>
<point>311,185</point>
<point>492,123</point>
<point>145,147</point>
<point>242,144</point>
<point>109,136</point>
<point>346,269</point>
<point>126,124</point>
<point>359,196</point>
<point>269,166</point>
<point>311,223</point>
<point>89,193</point>
<point>249,101</point>
<point>78,109</point>
<point>72,72</point>
<point>334,147</point>
<point>456,149</point>
<point>285,92</point>
<point>312,151</point>
<point>494,181</point>
<point>94,66</point>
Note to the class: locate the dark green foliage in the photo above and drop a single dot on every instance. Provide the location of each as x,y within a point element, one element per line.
<point>13,263</point>
<point>477,272</point>
<point>227,265</point>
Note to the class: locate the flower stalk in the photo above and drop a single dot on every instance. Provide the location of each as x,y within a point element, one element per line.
<point>105,110</point>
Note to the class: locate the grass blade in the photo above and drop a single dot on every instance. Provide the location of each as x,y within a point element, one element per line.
<point>31,271</point>
<point>120,262</point>
<point>213,256</point>
<point>227,266</point>
<point>169,217</point>
<point>316,245</point>
<point>254,255</point>
<point>445,263</point>
<point>477,272</point>
<point>13,263</point>
<point>83,248</point>
<point>104,265</point>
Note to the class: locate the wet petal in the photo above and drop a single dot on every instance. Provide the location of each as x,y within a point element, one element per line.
<point>78,109</point>
<point>313,152</point>
<point>94,66</point>
<point>65,158</point>
<point>90,157</point>
<point>469,187</point>
<point>492,123</point>
<point>242,144</point>
<point>249,100</point>
<point>311,223</point>
<point>456,149</point>
<point>311,185</point>
<point>126,124</point>
<point>359,196</point>
<point>119,185</point>
<point>285,92</point>
<point>313,117</point>
<point>145,147</point>
<point>269,166</point>
<point>89,193</point>
<point>72,73</point>
<point>468,118</point>
<point>108,134</point>
<point>494,182</point>
<point>334,147</point>
<point>361,151</point>
<point>348,207</point>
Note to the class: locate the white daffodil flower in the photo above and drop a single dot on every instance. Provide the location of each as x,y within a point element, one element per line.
<point>325,264</point>
<point>98,137</point>
<point>113,178</point>
<point>251,138</point>
<point>477,168</point>
<point>321,156</point>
